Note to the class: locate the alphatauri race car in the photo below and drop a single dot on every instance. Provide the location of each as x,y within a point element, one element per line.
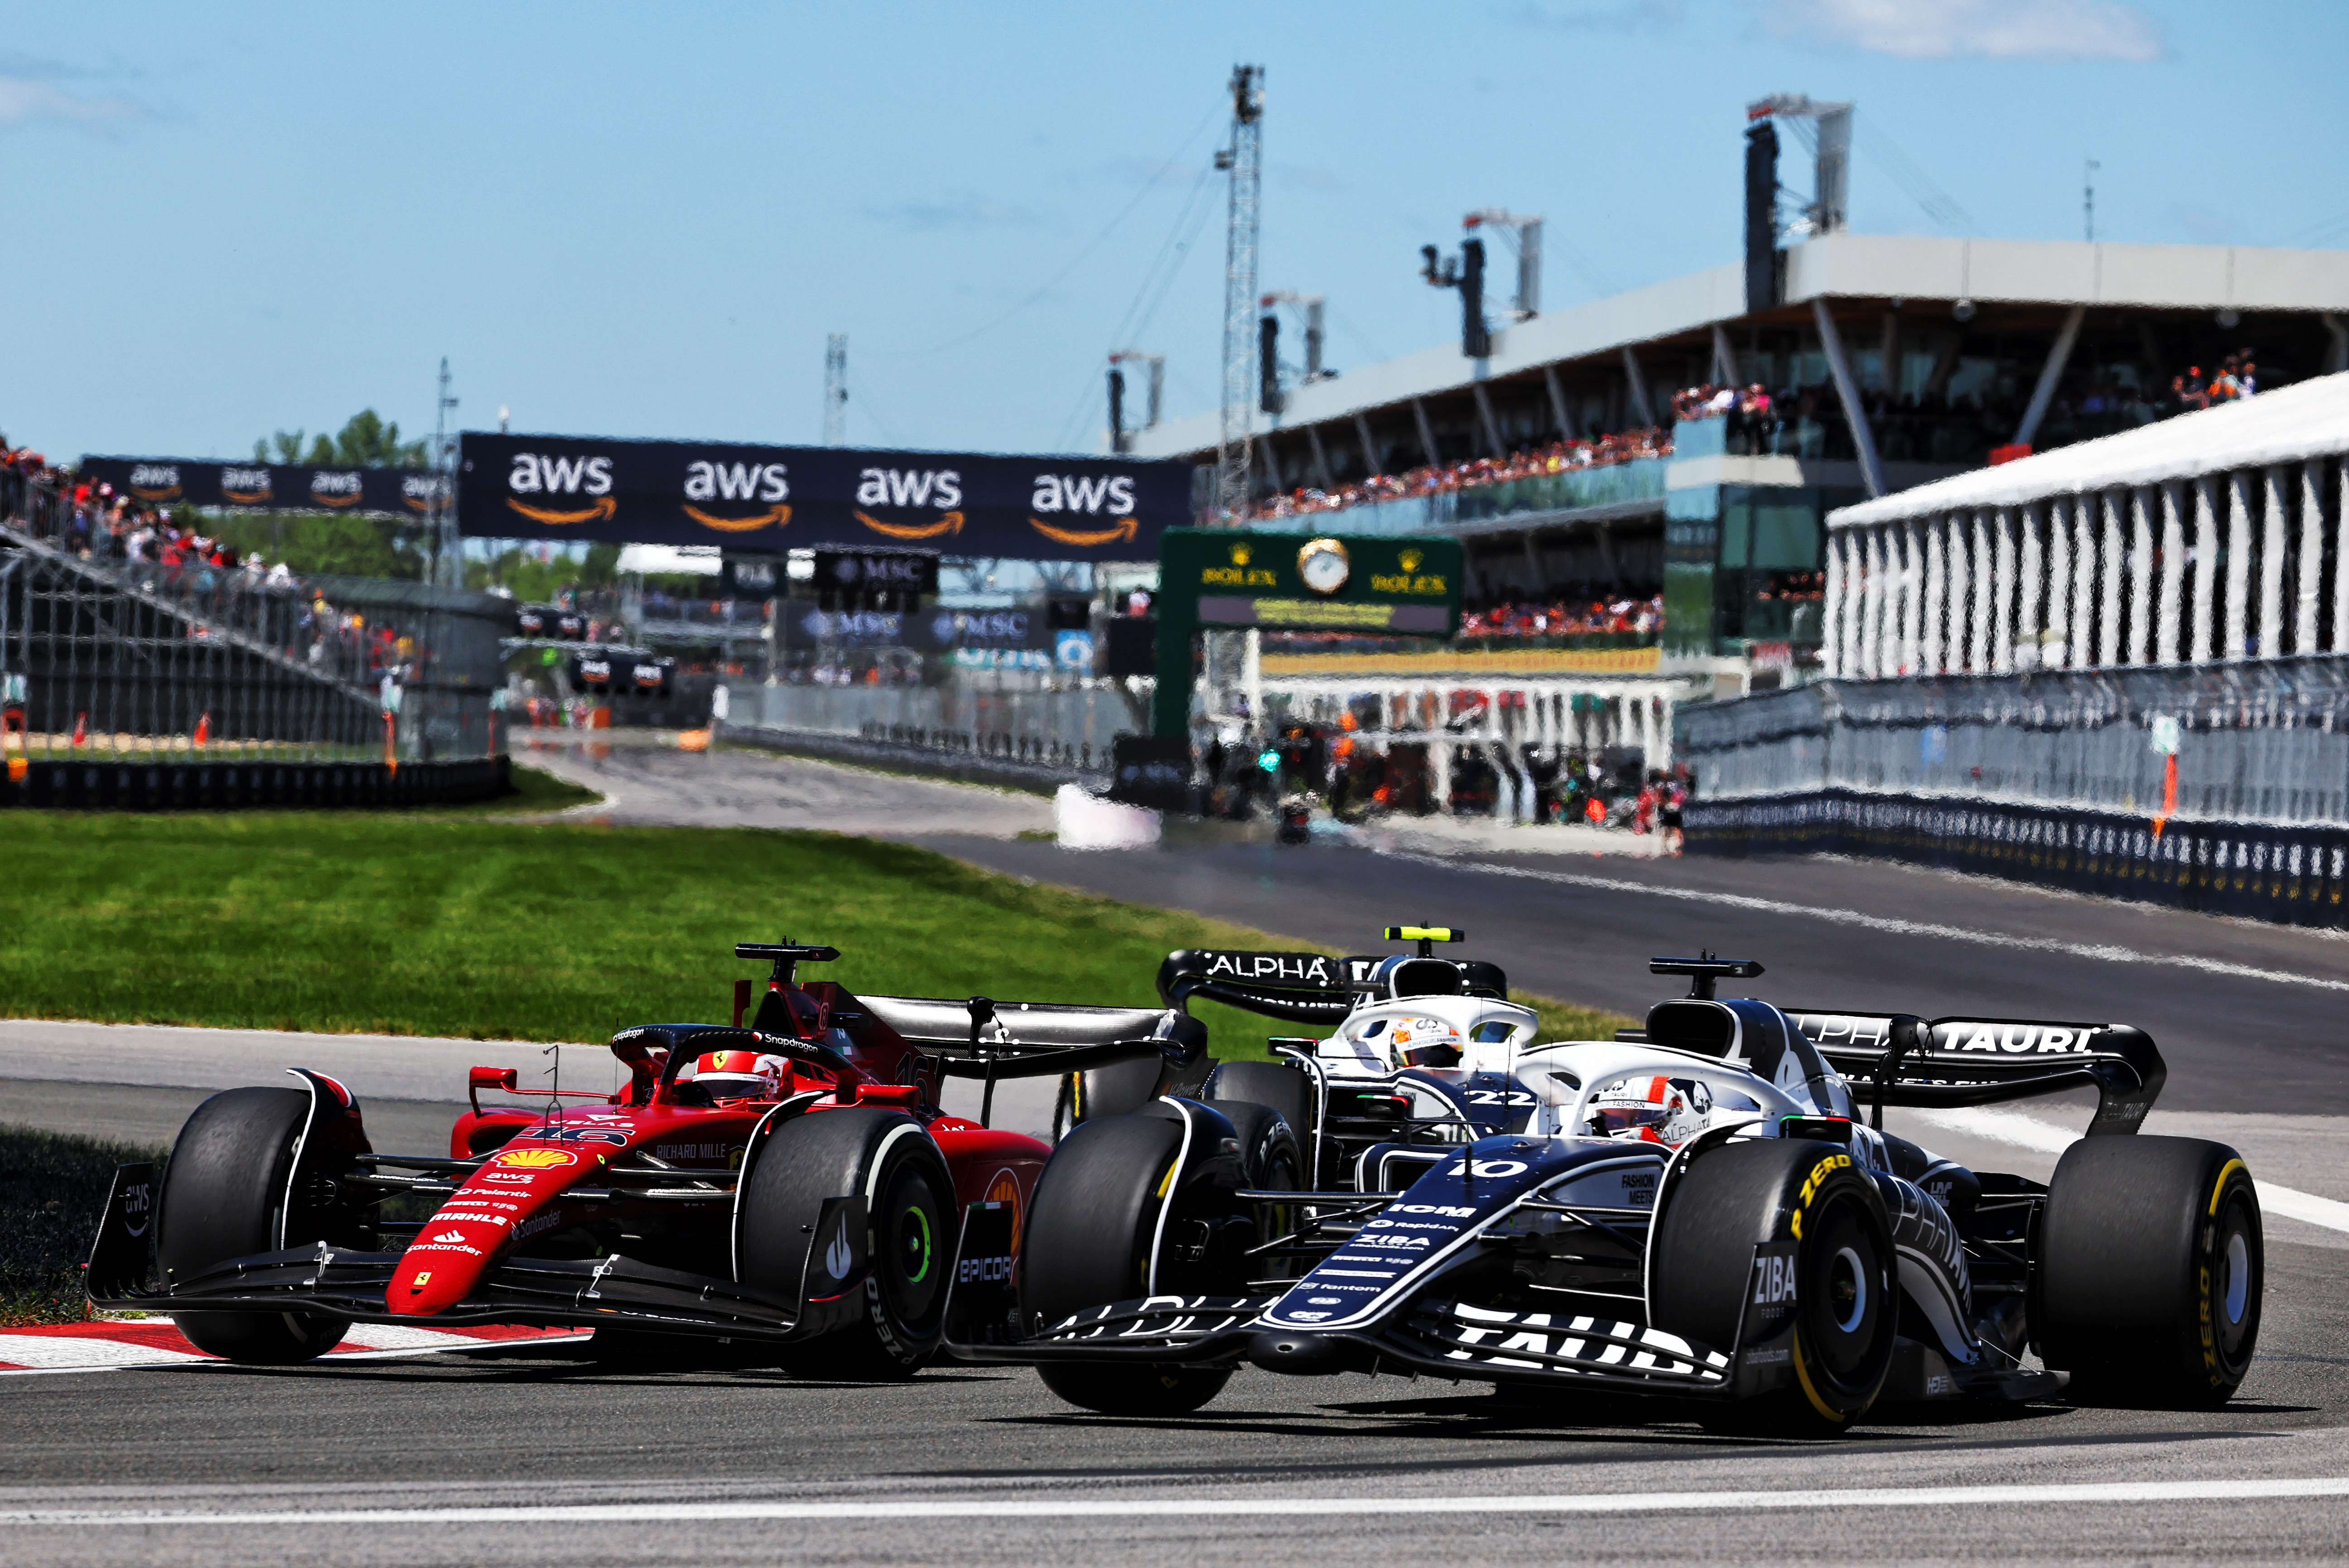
<point>792,1182</point>
<point>1695,1210</point>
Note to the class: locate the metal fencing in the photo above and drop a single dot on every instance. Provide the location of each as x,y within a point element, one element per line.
<point>1064,723</point>
<point>2263,741</point>
<point>103,656</point>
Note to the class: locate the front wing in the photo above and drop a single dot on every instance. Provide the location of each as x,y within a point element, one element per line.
<point>611,1292</point>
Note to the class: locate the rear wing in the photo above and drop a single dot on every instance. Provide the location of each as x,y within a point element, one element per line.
<point>1316,987</point>
<point>1959,1061</point>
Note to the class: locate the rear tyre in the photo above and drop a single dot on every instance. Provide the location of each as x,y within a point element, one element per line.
<point>2150,1270</point>
<point>225,1197</point>
<point>1700,1269</point>
<point>885,1157</point>
<point>1285,1091</point>
<point>1088,1243</point>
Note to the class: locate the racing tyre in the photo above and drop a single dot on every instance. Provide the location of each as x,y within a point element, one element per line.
<point>885,1158</point>
<point>1269,1155</point>
<point>2150,1272</point>
<point>1700,1269</point>
<point>1283,1090</point>
<point>1088,1243</point>
<point>225,1197</point>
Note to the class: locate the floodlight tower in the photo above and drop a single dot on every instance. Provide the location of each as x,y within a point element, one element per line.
<point>1121,439</point>
<point>1521,234</point>
<point>450,555</point>
<point>1244,161</point>
<point>1830,128</point>
<point>835,389</point>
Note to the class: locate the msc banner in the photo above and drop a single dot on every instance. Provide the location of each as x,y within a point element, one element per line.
<point>272,487</point>
<point>780,498</point>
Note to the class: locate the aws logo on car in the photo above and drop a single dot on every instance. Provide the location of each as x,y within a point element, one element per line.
<point>551,476</point>
<point>1095,496</point>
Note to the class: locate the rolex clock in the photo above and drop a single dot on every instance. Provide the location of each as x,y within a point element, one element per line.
<point>1322,564</point>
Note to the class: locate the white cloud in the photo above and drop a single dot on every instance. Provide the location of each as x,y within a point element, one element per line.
<point>25,98</point>
<point>1985,29</point>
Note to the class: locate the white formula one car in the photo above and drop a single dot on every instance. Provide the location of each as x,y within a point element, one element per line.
<point>1694,1210</point>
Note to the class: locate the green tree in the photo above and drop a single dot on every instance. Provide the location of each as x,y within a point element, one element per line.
<point>366,441</point>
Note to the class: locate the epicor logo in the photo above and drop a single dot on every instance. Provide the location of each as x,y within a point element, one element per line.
<point>536,1158</point>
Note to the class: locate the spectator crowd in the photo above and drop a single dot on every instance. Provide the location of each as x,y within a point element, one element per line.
<point>1433,479</point>
<point>1565,617</point>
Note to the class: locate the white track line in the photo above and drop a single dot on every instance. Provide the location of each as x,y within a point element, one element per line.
<point>2104,952</point>
<point>2029,1132</point>
<point>2217,1489</point>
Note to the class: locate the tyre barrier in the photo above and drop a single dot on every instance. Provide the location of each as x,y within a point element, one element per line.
<point>2293,874</point>
<point>96,785</point>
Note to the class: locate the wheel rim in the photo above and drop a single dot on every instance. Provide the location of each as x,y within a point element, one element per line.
<point>912,1280</point>
<point>2237,1267</point>
<point>1848,1290</point>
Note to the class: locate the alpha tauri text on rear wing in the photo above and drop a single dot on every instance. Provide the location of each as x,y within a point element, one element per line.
<point>1959,1061</point>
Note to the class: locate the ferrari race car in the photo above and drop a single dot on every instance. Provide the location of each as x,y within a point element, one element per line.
<point>1695,1210</point>
<point>794,1181</point>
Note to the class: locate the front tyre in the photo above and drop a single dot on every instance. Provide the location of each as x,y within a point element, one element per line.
<point>2150,1272</point>
<point>885,1158</point>
<point>225,1196</point>
<point>1089,1241</point>
<point>1748,1193</point>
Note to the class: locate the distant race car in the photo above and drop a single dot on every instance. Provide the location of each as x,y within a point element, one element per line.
<point>793,1182</point>
<point>1693,1209</point>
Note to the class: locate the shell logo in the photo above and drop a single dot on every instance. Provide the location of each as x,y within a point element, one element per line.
<point>536,1158</point>
<point>1005,1188</point>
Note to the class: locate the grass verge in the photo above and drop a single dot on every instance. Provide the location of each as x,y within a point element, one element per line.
<point>52,1190</point>
<point>468,926</point>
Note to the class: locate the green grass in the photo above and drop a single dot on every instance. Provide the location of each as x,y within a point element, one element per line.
<point>534,789</point>
<point>52,1190</point>
<point>472,926</point>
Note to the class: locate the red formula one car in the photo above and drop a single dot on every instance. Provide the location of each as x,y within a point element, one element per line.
<point>794,1181</point>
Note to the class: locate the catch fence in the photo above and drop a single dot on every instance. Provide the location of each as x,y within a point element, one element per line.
<point>107,657</point>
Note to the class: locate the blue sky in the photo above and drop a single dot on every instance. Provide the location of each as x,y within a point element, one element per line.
<point>643,220</point>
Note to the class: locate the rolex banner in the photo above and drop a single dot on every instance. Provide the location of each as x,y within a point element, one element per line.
<point>763,498</point>
<point>271,487</point>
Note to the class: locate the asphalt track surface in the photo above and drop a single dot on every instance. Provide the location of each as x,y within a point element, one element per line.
<point>535,1454</point>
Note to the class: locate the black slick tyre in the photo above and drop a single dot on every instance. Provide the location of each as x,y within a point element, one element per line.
<point>885,1157</point>
<point>1286,1090</point>
<point>225,1197</point>
<point>2149,1271</point>
<point>1746,1193</point>
<point>1088,1243</point>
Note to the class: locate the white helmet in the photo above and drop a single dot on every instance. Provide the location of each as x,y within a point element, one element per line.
<point>1650,1110</point>
<point>1426,1043</point>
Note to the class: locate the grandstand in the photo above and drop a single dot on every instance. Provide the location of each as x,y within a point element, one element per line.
<point>1890,362</point>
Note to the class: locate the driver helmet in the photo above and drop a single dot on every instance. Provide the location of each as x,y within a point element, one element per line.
<point>739,1074</point>
<point>1426,1043</point>
<point>1650,1110</point>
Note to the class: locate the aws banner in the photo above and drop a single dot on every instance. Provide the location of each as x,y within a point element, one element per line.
<point>781,498</point>
<point>273,487</point>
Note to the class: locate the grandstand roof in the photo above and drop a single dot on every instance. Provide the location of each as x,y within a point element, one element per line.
<point>2311,419</point>
<point>1841,265</point>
